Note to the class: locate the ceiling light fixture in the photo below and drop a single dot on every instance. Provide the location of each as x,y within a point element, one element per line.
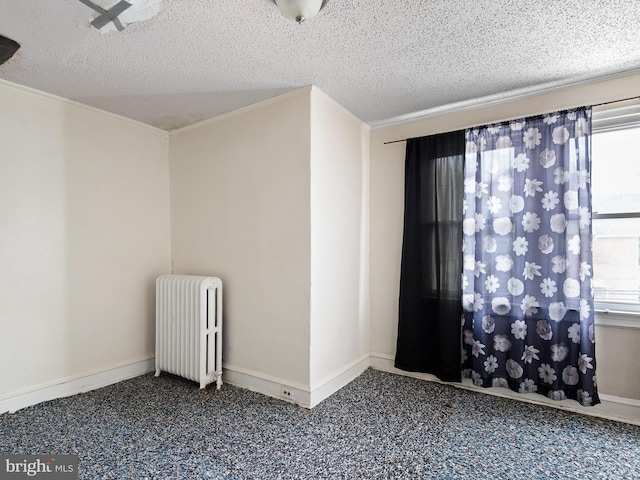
<point>300,10</point>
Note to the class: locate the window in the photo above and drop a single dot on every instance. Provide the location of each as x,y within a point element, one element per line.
<point>615,188</point>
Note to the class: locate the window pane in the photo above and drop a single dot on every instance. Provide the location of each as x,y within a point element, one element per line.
<point>616,260</point>
<point>615,171</point>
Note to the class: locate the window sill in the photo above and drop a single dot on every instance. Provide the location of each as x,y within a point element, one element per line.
<point>616,318</point>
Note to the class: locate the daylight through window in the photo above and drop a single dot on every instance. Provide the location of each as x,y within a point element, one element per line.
<point>615,187</point>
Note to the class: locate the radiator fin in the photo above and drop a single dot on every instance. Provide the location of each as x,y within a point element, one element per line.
<point>189,327</point>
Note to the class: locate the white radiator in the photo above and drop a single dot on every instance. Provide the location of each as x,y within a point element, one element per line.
<point>189,327</point>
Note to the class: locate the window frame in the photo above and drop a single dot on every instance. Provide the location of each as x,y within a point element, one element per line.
<point>616,117</point>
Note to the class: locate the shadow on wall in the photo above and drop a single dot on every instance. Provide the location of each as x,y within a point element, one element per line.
<point>181,106</point>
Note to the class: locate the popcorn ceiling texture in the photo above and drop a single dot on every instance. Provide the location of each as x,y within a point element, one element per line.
<point>379,58</point>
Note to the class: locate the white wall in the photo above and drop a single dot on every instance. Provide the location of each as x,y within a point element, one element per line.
<point>387,193</point>
<point>339,238</point>
<point>240,210</point>
<point>273,199</point>
<point>83,233</point>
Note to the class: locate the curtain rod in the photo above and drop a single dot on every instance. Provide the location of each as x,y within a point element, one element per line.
<point>594,105</point>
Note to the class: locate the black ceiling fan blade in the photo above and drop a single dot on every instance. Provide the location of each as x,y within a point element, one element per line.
<point>8,48</point>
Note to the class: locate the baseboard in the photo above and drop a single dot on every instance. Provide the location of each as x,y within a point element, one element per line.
<point>612,407</point>
<point>267,385</point>
<point>74,385</point>
<point>291,391</point>
<point>334,382</point>
<point>384,363</point>
<point>630,402</point>
<point>620,409</point>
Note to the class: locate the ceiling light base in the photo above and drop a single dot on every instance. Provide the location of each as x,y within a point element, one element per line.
<point>300,10</point>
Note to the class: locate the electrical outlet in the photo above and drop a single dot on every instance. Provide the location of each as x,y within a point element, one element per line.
<point>287,392</point>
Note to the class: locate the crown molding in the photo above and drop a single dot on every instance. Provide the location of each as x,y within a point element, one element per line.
<point>81,106</point>
<point>496,99</point>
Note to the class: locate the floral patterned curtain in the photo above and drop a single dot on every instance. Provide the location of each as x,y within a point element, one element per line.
<point>527,296</point>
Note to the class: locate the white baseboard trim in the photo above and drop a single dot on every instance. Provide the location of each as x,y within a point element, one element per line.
<point>74,385</point>
<point>334,382</point>
<point>612,407</point>
<point>384,362</point>
<point>267,385</point>
<point>291,391</point>
<point>620,409</point>
<point>630,402</point>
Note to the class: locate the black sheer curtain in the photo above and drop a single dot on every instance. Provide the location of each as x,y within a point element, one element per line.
<point>429,324</point>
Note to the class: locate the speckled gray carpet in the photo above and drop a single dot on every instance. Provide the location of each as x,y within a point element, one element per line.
<point>379,426</point>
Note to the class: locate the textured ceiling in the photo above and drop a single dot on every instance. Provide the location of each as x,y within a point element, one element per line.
<point>381,59</point>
